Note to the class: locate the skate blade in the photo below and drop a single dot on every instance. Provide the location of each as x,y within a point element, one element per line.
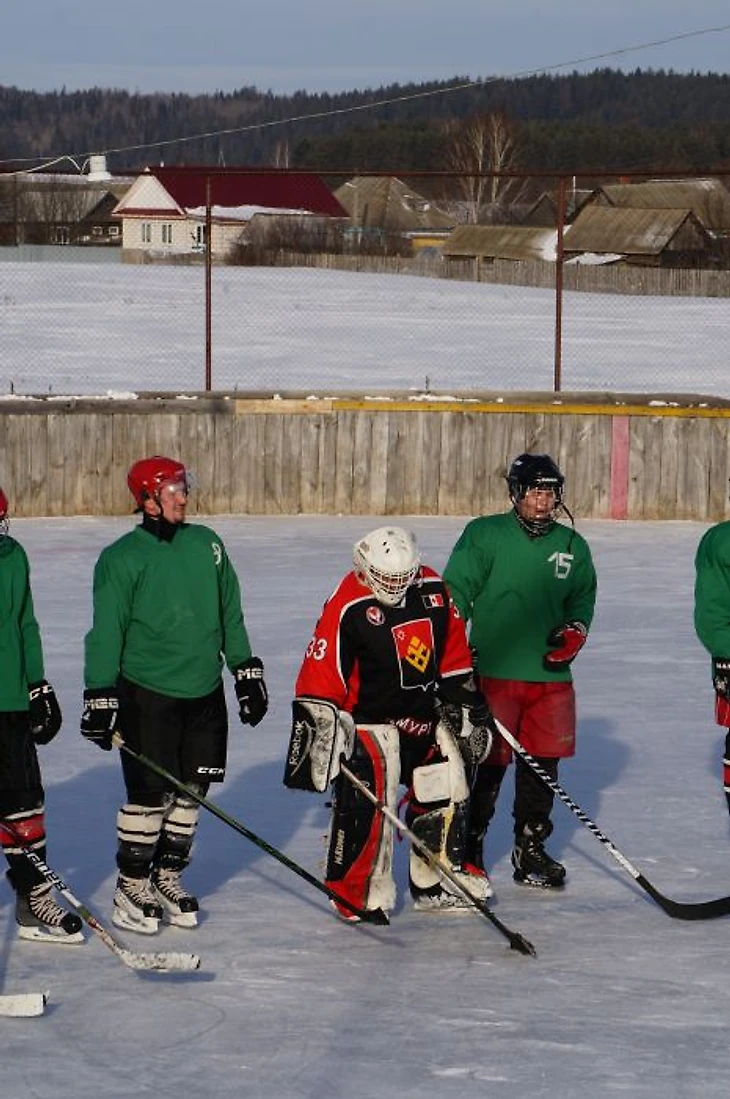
<point>181,919</point>
<point>142,925</point>
<point>56,937</point>
<point>538,883</point>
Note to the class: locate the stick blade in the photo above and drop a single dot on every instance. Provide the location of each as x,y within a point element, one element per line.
<point>23,1005</point>
<point>165,962</point>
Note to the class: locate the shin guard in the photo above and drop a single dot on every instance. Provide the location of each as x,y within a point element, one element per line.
<point>437,813</point>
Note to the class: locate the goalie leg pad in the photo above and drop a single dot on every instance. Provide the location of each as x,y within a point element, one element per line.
<point>320,735</point>
<point>360,847</point>
<point>437,815</point>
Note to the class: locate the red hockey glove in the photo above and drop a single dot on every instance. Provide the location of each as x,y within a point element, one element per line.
<point>45,713</point>
<point>253,698</point>
<point>721,676</point>
<point>566,642</point>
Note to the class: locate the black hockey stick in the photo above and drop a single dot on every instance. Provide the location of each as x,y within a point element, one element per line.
<point>516,941</point>
<point>679,910</point>
<point>159,960</point>
<point>376,916</point>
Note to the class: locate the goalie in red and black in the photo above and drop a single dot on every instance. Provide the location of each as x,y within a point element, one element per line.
<point>387,682</point>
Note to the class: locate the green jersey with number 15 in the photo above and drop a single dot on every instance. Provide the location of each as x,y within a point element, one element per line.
<point>516,589</point>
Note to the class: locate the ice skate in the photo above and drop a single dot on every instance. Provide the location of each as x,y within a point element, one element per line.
<point>136,907</point>
<point>445,897</point>
<point>532,864</point>
<point>180,908</point>
<point>40,919</point>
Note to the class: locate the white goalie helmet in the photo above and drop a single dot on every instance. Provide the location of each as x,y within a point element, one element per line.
<point>387,560</point>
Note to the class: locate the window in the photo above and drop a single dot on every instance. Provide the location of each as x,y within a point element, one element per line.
<point>146,232</point>
<point>167,234</point>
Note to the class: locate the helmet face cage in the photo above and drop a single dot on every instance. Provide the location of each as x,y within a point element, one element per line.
<point>535,471</point>
<point>387,561</point>
<point>147,476</point>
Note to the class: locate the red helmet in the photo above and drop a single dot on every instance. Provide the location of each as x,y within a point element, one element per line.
<point>148,474</point>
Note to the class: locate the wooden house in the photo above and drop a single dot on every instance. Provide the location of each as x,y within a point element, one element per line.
<point>164,213</point>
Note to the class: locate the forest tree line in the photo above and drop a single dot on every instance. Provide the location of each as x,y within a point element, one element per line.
<point>596,122</point>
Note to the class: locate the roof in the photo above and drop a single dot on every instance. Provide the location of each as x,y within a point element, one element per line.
<point>628,231</point>
<point>386,202</point>
<point>517,242</point>
<point>708,199</point>
<point>179,189</point>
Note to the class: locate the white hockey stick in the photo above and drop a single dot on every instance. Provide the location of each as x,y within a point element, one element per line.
<point>161,960</point>
<point>23,1005</point>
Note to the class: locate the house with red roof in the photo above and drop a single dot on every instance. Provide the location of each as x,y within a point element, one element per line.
<point>166,211</point>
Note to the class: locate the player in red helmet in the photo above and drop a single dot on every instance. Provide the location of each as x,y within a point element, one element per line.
<point>167,616</point>
<point>29,716</point>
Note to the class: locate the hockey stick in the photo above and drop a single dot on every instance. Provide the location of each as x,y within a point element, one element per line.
<point>23,1005</point>
<point>376,915</point>
<point>679,910</point>
<point>516,941</point>
<point>165,961</point>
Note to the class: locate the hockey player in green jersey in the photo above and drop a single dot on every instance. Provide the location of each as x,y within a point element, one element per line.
<point>527,584</point>
<point>167,616</point>
<point>712,623</point>
<point>29,716</point>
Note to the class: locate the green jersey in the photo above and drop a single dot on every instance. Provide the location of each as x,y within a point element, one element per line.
<point>516,589</point>
<point>166,613</point>
<point>21,653</point>
<point>712,590</point>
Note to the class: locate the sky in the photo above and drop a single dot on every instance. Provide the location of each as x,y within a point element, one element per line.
<point>92,328</point>
<point>327,46</point>
<point>289,1002</point>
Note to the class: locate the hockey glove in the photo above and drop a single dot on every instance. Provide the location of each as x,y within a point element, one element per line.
<point>45,713</point>
<point>253,698</point>
<point>566,642</point>
<point>464,711</point>
<point>721,676</point>
<point>99,719</point>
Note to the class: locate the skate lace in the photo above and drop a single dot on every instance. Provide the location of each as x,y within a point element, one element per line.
<point>138,890</point>
<point>168,883</point>
<point>45,909</point>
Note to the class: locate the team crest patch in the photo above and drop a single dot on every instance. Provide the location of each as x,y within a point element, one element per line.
<point>375,616</point>
<point>414,644</point>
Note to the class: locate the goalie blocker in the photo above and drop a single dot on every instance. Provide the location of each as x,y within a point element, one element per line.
<point>321,734</point>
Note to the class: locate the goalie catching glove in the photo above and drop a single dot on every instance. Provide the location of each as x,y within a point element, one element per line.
<point>463,709</point>
<point>321,735</point>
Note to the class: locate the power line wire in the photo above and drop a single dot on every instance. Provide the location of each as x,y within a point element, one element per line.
<point>360,107</point>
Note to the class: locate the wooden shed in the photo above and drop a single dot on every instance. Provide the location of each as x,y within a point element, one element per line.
<point>657,238</point>
<point>489,242</point>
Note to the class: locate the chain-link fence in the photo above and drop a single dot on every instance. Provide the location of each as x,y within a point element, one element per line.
<point>570,284</point>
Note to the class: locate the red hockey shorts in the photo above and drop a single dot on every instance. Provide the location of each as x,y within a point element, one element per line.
<point>540,715</point>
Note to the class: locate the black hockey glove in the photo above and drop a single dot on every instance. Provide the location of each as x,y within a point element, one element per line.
<point>253,698</point>
<point>44,712</point>
<point>99,719</point>
<point>721,676</point>
<point>464,711</point>
<point>566,642</point>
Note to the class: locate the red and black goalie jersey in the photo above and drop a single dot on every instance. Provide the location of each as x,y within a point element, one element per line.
<point>382,663</point>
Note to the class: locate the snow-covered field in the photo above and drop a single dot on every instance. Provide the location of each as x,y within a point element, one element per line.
<point>93,328</point>
<point>290,1003</point>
